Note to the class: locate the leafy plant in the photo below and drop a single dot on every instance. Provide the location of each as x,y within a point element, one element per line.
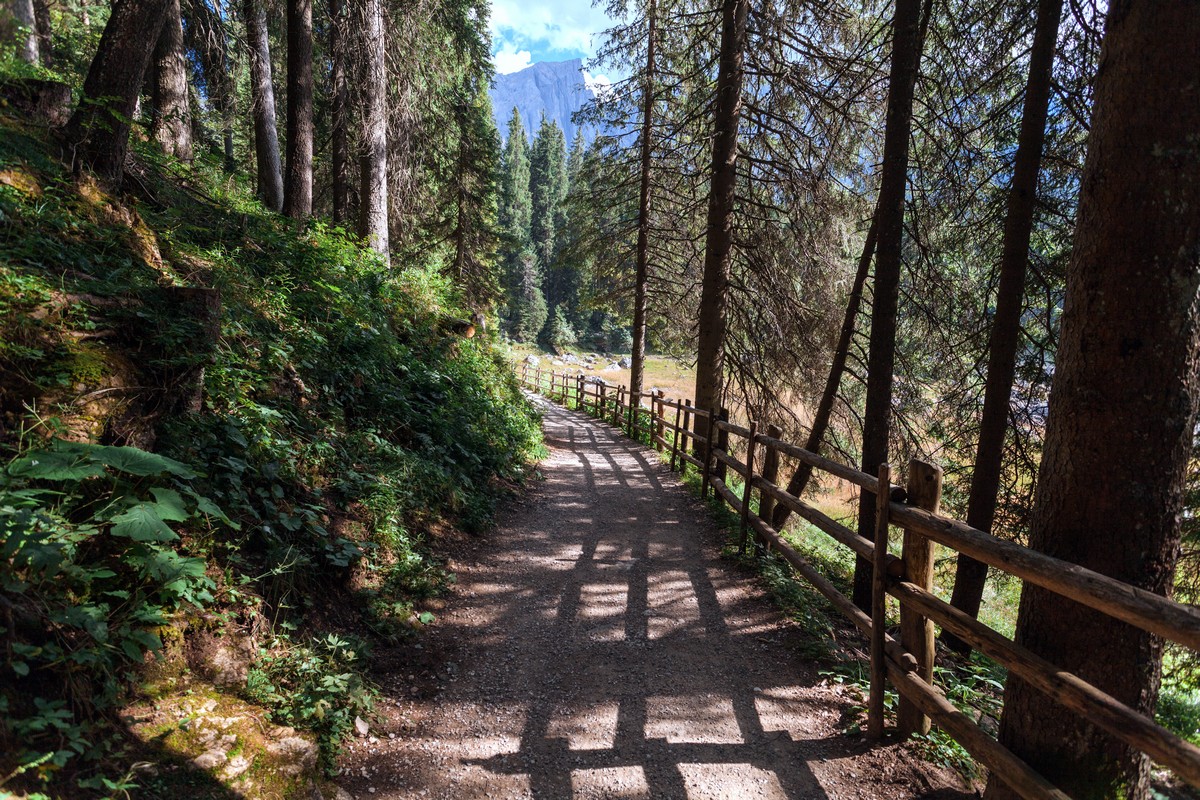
<point>315,686</point>
<point>89,571</point>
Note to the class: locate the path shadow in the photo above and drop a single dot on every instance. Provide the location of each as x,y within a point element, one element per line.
<point>635,665</point>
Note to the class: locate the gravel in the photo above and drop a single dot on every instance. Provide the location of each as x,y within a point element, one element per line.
<point>597,647</point>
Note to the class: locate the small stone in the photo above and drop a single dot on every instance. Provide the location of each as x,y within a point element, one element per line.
<point>361,726</point>
<point>209,760</point>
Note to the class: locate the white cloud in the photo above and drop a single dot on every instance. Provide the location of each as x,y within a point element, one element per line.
<point>599,85</point>
<point>509,59</point>
<point>541,26</point>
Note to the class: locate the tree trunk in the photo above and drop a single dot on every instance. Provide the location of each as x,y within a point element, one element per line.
<point>1005,336</point>
<point>373,225</point>
<point>340,111</point>
<point>889,219</point>
<point>262,104</point>
<point>25,17</point>
<point>41,15</point>
<point>841,352</point>
<point>1123,404</point>
<point>99,129</point>
<point>637,369</point>
<point>710,349</point>
<point>298,179</point>
<point>171,119</point>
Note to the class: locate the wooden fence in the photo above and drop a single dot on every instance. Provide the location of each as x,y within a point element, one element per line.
<point>669,426</point>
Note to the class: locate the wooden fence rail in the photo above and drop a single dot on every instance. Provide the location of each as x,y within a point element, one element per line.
<point>670,426</point>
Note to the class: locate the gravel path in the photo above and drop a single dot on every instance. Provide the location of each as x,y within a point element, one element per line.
<point>597,647</point>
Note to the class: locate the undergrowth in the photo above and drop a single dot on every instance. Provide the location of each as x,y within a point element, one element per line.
<point>264,468</point>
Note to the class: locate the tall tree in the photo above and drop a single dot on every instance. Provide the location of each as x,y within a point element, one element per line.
<point>722,195</point>
<point>971,575</point>
<point>373,198</point>
<point>262,105</point>
<point>298,170</point>
<point>547,189</point>
<point>638,354</point>
<point>41,14</point>
<point>474,186</point>
<point>25,16</point>
<point>889,221</point>
<point>339,102</point>
<point>526,303</point>
<point>99,129</point>
<point>171,123</point>
<point>841,352</point>
<point>1123,404</point>
<point>208,37</point>
<point>516,206</point>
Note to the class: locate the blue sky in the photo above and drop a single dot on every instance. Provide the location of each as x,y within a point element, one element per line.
<point>527,31</point>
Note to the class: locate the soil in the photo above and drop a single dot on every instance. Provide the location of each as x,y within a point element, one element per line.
<point>596,646</point>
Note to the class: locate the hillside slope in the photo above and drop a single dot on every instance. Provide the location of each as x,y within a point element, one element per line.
<point>225,445</point>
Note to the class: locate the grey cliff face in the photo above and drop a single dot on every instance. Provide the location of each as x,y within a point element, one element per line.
<point>555,88</point>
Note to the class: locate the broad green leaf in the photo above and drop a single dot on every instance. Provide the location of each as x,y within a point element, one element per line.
<point>169,505</point>
<point>142,523</point>
<point>63,463</point>
<point>140,462</point>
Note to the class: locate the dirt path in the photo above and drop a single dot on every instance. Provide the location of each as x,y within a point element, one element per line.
<point>597,647</point>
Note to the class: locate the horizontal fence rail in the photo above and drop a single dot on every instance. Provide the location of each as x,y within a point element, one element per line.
<point>701,438</point>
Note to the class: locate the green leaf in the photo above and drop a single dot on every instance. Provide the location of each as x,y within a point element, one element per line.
<point>140,462</point>
<point>142,523</point>
<point>66,462</point>
<point>169,505</point>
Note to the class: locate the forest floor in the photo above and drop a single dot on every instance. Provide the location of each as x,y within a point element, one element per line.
<point>597,646</point>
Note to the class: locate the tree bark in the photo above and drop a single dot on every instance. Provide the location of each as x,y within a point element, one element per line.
<point>889,219</point>
<point>339,100</point>
<point>1123,404</point>
<point>971,575</point>
<point>816,434</point>
<point>710,348</point>
<point>99,129</point>
<point>373,224</point>
<point>298,178</point>
<point>171,118</point>
<point>41,15</point>
<point>637,369</point>
<point>25,16</point>
<point>262,105</point>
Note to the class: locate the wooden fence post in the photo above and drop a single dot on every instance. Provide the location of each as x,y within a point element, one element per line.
<point>770,471</point>
<point>707,455</point>
<point>749,487</point>
<point>722,444</point>
<point>879,606</point>
<point>659,417</point>
<point>618,401</point>
<point>675,436</point>
<point>635,406</point>
<point>916,631</point>
<point>688,442</point>
<point>579,391</point>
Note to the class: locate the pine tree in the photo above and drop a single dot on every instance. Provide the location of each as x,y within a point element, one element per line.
<point>269,169</point>
<point>99,128</point>
<point>547,189</point>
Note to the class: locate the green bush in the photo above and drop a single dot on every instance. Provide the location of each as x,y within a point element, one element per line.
<point>339,422</point>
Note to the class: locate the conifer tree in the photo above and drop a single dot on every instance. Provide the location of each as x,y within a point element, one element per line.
<point>547,189</point>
